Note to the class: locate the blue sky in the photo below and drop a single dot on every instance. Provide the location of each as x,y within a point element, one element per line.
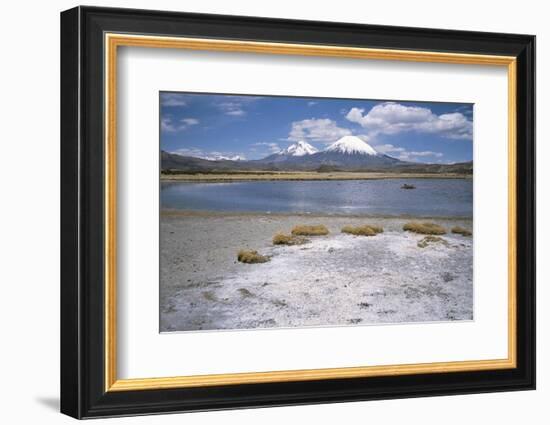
<point>251,127</point>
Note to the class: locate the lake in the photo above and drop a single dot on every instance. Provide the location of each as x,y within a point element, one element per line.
<point>432,197</point>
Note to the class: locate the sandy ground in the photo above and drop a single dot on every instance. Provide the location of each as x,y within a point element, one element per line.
<point>334,280</point>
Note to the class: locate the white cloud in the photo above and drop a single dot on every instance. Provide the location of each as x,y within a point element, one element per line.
<point>190,121</point>
<point>418,156</point>
<point>172,99</point>
<point>405,155</point>
<point>467,110</point>
<point>272,147</point>
<point>317,130</point>
<point>236,112</point>
<point>232,108</point>
<point>312,103</point>
<point>426,153</point>
<point>167,124</point>
<point>388,148</point>
<point>393,118</point>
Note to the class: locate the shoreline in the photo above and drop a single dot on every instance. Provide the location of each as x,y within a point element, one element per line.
<point>332,280</point>
<point>168,212</point>
<point>303,176</point>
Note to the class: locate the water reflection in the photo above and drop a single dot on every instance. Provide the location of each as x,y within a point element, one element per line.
<point>441,197</point>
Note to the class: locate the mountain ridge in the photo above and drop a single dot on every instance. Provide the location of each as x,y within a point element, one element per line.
<point>349,153</point>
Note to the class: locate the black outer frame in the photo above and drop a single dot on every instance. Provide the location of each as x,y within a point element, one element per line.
<point>82,216</point>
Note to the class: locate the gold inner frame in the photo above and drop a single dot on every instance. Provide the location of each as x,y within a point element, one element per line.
<point>113,41</point>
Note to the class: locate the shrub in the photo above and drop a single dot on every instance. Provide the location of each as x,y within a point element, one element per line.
<point>461,231</point>
<point>377,229</point>
<point>431,239</point>
<point>318,230</point>
<point>424,228</point>
<point>365,230</point>
<point>251,257</point>
<point>282,239</point>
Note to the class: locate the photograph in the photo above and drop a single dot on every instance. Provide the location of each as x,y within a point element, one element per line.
<point>288,212</point>
<point>283,210</point>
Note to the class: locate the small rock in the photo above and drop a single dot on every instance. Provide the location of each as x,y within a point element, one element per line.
<point>245,292</point>
<point>447,277</point>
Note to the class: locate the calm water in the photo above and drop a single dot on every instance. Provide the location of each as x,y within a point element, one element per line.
<point>432,197</point>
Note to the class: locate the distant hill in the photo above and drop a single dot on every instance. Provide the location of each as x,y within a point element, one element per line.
<point>191,164</point>
<point>349,153</point>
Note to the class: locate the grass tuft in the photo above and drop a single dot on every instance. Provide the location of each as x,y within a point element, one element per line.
<point>431,239</point>
<point>365,230</point>
<point>461,231</point>
<point>251,257</point>
<point>319,230</point>
<point>282,239</point>
<point>210,296</point>
<point>424,228</point>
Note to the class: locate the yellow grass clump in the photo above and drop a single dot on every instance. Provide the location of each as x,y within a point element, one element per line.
<point>251,257</point>
<point>319,230</point>
<point>461,231</point>
<point>282,239</point>
<point>365,230</point>
<point>431,239</point>
<point>425,228</point>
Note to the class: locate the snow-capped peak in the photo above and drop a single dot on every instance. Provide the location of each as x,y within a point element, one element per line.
<point>352,145</point>
<point>299,149</point>
<point>220,157</point>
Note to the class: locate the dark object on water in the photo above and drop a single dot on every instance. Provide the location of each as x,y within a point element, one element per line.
<point>408,186</point>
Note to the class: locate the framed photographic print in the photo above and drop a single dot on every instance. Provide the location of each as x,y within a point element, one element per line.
<point>261,212</point>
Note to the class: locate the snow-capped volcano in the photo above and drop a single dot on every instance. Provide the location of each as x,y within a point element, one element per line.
<point>347,153</point>
<point>300,148</point>
<point>351,145</point>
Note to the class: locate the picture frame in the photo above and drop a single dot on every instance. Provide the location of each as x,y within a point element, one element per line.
<point>90,40</point>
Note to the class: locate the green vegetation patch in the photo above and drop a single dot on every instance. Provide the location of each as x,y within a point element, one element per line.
<point>461,231</point>
<point>282,239</point>
<point>365,230</point>
<point>251,257</point>
<point>318,230</point>
<point>424,228</point>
